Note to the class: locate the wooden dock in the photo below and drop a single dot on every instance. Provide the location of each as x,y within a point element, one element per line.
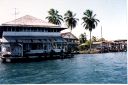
<point>35,58</point>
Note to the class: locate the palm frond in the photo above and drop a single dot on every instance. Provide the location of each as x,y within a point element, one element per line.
<point>70,19</point>
<point>54,17</point>
<point>89,21</point>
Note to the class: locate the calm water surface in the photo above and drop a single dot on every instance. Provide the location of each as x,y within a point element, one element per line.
<point>83,68</point>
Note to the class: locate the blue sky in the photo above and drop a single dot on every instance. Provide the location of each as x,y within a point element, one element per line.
<point>111,13</point>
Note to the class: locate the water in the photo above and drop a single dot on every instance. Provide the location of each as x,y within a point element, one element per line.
<point>83,68</point>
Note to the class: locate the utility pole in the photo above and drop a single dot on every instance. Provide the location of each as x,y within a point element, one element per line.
<point>16,13</point>
<point>101,32</point>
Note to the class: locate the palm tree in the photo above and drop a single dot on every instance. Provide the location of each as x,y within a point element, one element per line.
<point>70,19</point>
<point>54,17</point>
<point>89,21</point>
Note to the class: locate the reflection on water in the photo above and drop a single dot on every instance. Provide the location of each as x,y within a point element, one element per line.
<point>83,68</point>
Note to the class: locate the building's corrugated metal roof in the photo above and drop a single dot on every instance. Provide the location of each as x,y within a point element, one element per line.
<point>97,42</point>
<point>120,40</point>
<point>29,21</point>
<point>66,33</point>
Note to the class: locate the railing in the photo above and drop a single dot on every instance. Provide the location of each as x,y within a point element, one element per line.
<point>31,34</point>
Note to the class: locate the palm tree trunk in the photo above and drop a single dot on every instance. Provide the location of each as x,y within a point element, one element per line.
<point>71,27</point>
<point>90,41</point>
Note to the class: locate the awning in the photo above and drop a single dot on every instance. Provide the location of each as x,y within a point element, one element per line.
<point>32,39</point>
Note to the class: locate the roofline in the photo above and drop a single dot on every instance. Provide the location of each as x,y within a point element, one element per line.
<point>120,40</point>
<point>4,25</point>
<point>30,25</point>
<point>71,34</point>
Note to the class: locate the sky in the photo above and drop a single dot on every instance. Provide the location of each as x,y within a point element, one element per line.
<point>111,13</point>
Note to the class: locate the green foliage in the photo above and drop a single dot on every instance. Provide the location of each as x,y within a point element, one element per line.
<point>88,42</point>
<point>89,21</point>
<point>85,46</point>
<point>101,39</point>
<point>82,38</point>
<point>81,47</point>
<point>94,39</point>
<point>70,19</point>
<point>54,17</point>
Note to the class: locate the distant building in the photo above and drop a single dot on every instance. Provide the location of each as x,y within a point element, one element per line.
<point>103,46</point>
<point>118,45</point>
<point>70,38</point>
<point>111,46</point>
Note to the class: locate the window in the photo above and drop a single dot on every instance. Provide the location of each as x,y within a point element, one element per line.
<point>49,30</point>
<point>9,29</point>
<point>54,30</point>
<point>45,30</point>
<point>5,29</point>
<point>32,29</point>
<point>17,29</point>
<point>12,29</point>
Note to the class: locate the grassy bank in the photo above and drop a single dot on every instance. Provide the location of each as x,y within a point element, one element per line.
<point>93,51</point>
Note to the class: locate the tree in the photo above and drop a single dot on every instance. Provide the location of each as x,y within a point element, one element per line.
<point>101,39</point>
<point>54,17</point>
<point>87,43</point>
<point>89,21</point>
<point>70,19</point>
<point>94,39</point>
<point>82,38</point>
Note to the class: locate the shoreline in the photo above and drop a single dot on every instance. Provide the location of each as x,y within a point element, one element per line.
<point>97,52</point>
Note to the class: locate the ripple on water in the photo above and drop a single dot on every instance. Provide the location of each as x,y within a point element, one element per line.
<point>83,68</point>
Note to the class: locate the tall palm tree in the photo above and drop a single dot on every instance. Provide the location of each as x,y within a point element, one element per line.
<point>70,19</point>
<point>54,17</point>
<point>89,21</point>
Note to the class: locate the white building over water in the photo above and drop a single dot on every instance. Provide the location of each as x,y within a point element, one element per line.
<point>30,36</point>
